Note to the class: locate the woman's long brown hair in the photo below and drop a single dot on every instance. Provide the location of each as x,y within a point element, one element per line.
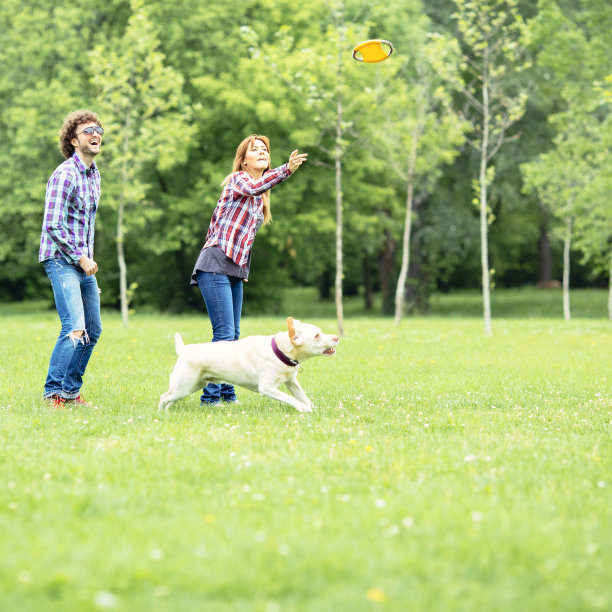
<point>241,152</point>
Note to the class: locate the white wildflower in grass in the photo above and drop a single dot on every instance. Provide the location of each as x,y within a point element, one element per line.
<point>592,548</point>
<point>24,576</point>
<point>284,550</point>
<point>469,458</point>
<point>259,536</point>
<point>408,522</point>
<point>157,554</point>
<point>477,517</point>
<point>105,600</point>
<point>391,531</point>
<point>161,591</point>
<point>380,503</point>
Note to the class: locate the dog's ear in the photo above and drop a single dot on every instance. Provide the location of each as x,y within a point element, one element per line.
<point>291,328</point>
<point>293,335</point>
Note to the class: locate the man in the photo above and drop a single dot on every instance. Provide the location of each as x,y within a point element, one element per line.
<point>66,252</point>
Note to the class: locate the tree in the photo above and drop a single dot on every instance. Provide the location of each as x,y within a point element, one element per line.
<point>417,130</point>
<point>558,192</point>
<point>147,116</point>
<point>232,88</point>
<point>493,32</point>
<point>41,81</point>
<point>573,178</point>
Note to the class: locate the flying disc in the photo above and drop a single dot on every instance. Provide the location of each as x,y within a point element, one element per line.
<point>372,51</point>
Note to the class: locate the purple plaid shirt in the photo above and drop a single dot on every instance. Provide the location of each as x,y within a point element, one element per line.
<point>71,201</point>
<point>234,220</point>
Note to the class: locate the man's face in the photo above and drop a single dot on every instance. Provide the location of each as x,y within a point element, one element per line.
<point>87,145</point>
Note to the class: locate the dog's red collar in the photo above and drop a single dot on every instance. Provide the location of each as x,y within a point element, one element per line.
<point>286,360</point>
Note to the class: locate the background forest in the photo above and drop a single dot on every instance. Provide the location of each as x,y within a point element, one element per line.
<point>178,84</point>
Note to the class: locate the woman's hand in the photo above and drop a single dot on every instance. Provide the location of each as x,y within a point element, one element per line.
<point>296,160</point>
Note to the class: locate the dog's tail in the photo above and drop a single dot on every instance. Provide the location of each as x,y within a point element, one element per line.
<point>178,343</point>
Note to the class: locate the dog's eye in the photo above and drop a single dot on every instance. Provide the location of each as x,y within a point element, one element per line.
<point>317,336</point>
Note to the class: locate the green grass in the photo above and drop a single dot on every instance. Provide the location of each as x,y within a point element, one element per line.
<point>442,470</point>
<point>509,303</point>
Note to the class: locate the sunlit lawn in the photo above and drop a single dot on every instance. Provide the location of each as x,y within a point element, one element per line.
<point>442,470</point>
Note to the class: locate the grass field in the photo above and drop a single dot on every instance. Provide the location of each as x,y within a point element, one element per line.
<point>442,470</point>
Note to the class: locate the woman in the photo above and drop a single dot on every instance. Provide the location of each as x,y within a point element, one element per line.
<point>225,258</point>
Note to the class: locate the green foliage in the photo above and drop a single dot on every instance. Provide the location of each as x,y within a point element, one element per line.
<point>573,178</point>
<point>193,79</point>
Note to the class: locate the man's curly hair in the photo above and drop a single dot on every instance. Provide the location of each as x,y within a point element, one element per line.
<point>68,131</point>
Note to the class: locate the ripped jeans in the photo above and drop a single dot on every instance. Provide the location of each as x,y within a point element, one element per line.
<point>77,299</point>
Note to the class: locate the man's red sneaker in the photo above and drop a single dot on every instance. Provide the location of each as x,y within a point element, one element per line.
<point>80,402</point>
<point>55,401</point>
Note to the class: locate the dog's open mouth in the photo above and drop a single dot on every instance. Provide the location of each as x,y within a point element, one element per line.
<point>329,351</point>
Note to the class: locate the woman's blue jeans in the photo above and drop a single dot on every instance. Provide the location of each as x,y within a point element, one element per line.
<point>77,299</point>
<point>223,297</point>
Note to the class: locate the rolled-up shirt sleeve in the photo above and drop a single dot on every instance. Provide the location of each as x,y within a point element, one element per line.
<point>245,184</point>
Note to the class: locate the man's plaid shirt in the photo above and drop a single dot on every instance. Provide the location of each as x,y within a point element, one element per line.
<point>238,210</point>
<point>71,201</point>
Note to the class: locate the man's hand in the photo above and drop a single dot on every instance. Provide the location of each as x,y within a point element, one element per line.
<point>89,266</point>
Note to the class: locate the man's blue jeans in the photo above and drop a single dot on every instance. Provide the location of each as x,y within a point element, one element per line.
<point>77,299</point>
<point>223,297</point>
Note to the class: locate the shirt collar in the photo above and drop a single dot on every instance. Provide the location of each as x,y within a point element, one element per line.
<point>80,164</point>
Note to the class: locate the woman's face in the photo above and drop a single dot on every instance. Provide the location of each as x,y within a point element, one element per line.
<point>257,158</point>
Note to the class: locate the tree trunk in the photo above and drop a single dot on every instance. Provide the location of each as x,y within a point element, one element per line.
<point>610,289</point>
<point>120,213</point>
<point>566,268</point>
<point>387,263</point>
<point>400,291</point>
<point>417,292</point>
<point>324,283</point>
<point>338,165</point>
<point>368,292</point>
<point>545,253</point>
<point>484,245</point>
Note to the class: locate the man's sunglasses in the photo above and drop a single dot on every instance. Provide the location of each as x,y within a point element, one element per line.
<point>91,129</point>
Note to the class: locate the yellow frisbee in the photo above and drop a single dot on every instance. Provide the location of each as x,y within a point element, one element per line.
<point>372,51</point>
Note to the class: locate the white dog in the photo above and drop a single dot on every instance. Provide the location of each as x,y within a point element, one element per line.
<point>258,363</point>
